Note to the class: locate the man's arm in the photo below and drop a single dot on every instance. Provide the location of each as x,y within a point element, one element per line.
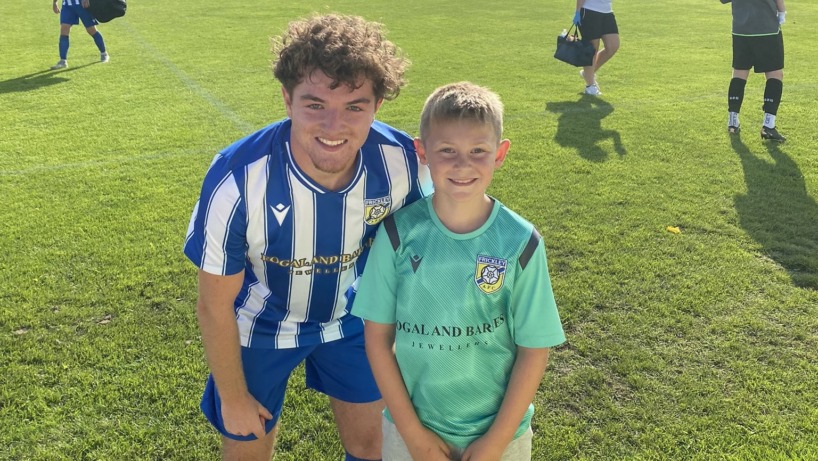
<point>242,413</point>
<point>528,370</point>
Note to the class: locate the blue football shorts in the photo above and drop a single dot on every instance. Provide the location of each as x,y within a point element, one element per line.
<point>72,14</point>
<point>338,369</point>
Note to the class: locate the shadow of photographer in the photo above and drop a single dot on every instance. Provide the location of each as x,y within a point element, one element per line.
<point>778,213</point>
<point>579,126</point>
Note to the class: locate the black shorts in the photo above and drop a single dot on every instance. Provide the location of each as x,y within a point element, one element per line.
<point>594,24</point>
<point>763,53</point>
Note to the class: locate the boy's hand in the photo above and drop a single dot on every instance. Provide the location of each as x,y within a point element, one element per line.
<point>577,19</point>
<point>484,449</point>
<point>245,417</point>
<point>427,446</point>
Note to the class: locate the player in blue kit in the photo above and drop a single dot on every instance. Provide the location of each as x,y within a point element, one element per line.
<point>282,230</point>
<point>459,310</point>
<point>72,12</point>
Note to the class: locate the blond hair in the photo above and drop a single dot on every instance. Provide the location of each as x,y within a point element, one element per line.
<point>462,101</point>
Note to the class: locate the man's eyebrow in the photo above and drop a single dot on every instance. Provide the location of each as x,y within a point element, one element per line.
<point>311,97</point>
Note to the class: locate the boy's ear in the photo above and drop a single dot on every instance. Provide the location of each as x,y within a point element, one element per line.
<point>502,150</point>
<point>421,151</point>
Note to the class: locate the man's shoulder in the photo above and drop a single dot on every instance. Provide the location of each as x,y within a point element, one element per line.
<point>380,133</point>
<point>255,145</point>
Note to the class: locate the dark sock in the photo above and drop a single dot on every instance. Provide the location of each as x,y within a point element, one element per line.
<point>63,47</point>
<point>98,40</point>
<point>772,95</point>
<point>735,94</point>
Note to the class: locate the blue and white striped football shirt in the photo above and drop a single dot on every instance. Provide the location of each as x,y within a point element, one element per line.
<point>71,2</point>
<point>301,246</point>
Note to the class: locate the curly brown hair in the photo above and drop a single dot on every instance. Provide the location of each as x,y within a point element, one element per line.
<point>345,48</point>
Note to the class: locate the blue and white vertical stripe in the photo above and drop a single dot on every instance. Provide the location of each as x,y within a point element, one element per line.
<point>301,246</point>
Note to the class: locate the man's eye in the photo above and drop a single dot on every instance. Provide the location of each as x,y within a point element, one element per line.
<point>355,109</point>
<point>314,106</point>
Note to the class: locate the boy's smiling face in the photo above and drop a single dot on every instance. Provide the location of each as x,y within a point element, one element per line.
<point>462,156</point>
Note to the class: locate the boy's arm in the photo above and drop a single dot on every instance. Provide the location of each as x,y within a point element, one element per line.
<point>526,375</point>
<point>242,413</point>
<point>421,442</point>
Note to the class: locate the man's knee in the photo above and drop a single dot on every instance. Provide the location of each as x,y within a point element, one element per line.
<point>91,30</point>
<point>259,449</point>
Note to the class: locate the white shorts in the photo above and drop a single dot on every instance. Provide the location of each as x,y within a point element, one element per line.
<point>394,449</point>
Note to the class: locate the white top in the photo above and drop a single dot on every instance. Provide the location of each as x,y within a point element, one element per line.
<point>600,6</point>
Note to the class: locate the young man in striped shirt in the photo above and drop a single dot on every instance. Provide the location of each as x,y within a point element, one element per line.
<point>72,12</point>
<point>282,230</point>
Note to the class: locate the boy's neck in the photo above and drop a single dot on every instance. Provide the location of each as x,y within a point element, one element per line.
<point>463,217</point>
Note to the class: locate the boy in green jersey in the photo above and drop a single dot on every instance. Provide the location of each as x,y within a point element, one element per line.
<point>457,299</point>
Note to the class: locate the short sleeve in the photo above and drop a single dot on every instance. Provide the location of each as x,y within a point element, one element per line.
<point>216,238</point>
<point>535,318</point>
<point>376,299</point>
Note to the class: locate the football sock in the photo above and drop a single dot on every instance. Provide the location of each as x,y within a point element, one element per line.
<point>735,94</point>
<point>63,47</point>
<point>769,120</point>
<point>772,98</point>
<point>352,458</point>
<point>732,119</point>
<point>98,40</point>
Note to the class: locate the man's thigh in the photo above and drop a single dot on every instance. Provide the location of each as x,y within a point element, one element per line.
<point>340,369</point>
<point>266,372</point>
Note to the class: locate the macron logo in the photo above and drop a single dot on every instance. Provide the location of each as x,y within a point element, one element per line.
<point>415,262</point>
<point>280,212</point>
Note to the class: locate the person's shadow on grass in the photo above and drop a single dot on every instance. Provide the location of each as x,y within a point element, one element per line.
<point>778,213</point>
<point>37,80</point>
<point>579,126</point>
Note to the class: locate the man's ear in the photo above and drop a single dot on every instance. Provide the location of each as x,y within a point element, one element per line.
<point>502,150</point>
<point>378,104</point>
<point>288,103</point>
<point>421,151</point>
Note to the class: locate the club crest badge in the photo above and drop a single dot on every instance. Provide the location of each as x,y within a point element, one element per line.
<point>490,273</point>
<point>376,209</point>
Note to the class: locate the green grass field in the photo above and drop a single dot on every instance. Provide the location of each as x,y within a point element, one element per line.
<point>701,345</point>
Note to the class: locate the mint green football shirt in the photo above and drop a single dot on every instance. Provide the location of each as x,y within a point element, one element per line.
<point>461,304</point>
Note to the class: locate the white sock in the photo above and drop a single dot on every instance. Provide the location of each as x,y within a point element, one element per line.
<point>769,120</point>
<point>732,119</point>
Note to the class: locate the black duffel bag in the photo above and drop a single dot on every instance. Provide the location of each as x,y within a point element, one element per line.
<point>105,10</point>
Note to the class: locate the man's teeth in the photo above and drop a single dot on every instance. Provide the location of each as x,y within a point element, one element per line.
<point>331,143</point>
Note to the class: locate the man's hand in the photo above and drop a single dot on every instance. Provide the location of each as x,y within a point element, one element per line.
<point>577,19</point>
<point>86,3</point>
<point>245,417</point>
<point>55,7</point>
<point>427,446</point>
